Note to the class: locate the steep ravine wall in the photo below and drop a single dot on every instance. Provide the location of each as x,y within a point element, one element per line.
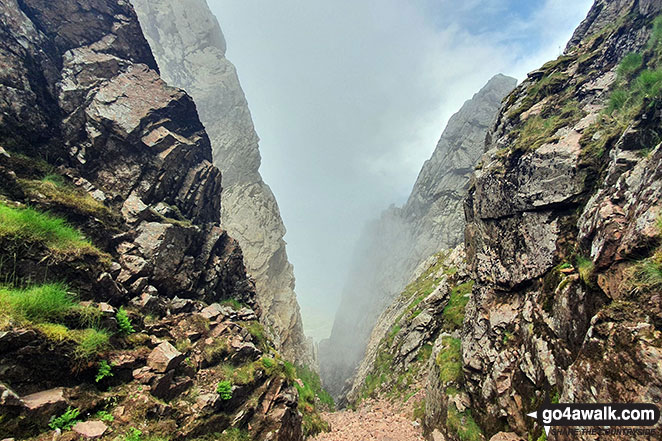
<point>392,247</point>
<point>121,297</point>
<point>189,48</point>
<point>563,239</point>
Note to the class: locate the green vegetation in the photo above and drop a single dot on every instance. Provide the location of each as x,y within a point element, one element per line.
<point>133,435</point>
<point>54,189</point>
<point>257,332</point>
<point>241,375</point>
<point>124,322</point>
<point>49,308</point>
<point>104,416</point>
<point>268,362</point>
<point>105,371</point>
<point>449,360</point>
<point>424,353</point>
<point>454,311</point>
<point>551,83</point>
<point>312,387</point>
<point>541,128</point>
<point>233,303</point>
<point>630,64</point>
<point>40,303</point>
<point>391,380</point>
<point>419,411</point>
<point>426,283</point>
<point>564,265</point>
<point>311,395</point>
<point>224,389</point>
<point>65,421</point>
<point>29,225</point>
<point>585,267</point>
<point>648,273</point>
<point>90,341</point>
<point>216,351</point>
<point>313,423</point>
<point>463,424</point>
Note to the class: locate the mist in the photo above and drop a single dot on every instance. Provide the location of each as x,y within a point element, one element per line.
<point>349,99</point>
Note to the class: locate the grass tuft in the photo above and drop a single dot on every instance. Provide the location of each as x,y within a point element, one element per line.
<point>630,64</point>
<point>585,267</point>
<point>30,225</point>
<point>90,341</point>
<point>463,424</point>
<point>449,360</point>
<point>454,312</point>
<point>39,304</point>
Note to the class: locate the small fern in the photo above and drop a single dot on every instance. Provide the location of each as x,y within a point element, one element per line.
<point>124,322</point>
<point>105,370</point>
<point>65,421</point>
<point>224,389</point>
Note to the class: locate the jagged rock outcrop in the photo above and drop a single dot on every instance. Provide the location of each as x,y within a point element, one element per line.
<point>563,230</point>
<point>401,343</point>
<point>392,247</point>
<point>190,50</point>
<point>111,247</point>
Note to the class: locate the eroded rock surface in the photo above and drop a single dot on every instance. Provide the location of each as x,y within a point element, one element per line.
<point>190,49</point>
<point>119,159</point>
<point>562,218</point>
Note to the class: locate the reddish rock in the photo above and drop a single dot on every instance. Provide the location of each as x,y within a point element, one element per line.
<point>46,401</point>
<point>90,429</point>
<point>164,357</point>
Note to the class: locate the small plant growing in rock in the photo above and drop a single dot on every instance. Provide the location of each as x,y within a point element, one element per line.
<point>133,435</point>
<point>65,421</point>
<point>105,416</point>
<point>267,362</point>
<point>124,322</point>
<point>224,389</point>
<point>105,370</point>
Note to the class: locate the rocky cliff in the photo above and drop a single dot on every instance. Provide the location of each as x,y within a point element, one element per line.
<point>125,309</point>
<point>563,238</point>
<point>189,48</point>
<point>404,237</point>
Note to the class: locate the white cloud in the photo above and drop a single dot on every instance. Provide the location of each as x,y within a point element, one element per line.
<point>349,98</point>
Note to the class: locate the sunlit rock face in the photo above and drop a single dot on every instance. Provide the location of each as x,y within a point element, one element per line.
<point>392,247</point>
<point>189,48</point>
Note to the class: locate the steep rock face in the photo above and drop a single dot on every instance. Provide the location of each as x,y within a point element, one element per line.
<point>401,343</point>
<point>131,251</point>
<point>393,246</point>
<point>190,49</point>
<point>563,230</point>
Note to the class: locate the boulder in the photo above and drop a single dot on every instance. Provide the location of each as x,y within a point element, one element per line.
<point>45,403</point>
<point>164,357</point>
<point>90,429</point>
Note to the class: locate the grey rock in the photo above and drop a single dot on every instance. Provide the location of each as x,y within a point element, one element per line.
<point>190,49</point>
<point>8,397</point>
<point>528,324</point>
<point>392,247</point>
